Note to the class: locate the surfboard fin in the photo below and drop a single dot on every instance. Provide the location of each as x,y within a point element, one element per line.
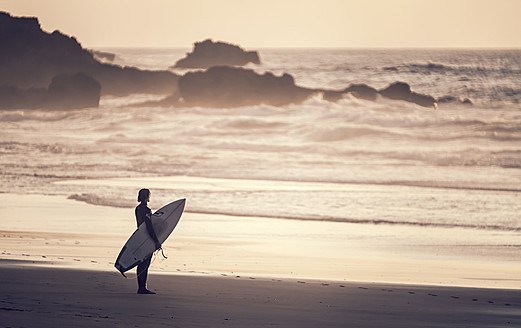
<point>162,253</point>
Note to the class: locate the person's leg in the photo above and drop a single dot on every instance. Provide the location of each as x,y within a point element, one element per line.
<point>142,273</point>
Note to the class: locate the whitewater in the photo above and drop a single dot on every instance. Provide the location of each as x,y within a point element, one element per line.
<point>353,161</point>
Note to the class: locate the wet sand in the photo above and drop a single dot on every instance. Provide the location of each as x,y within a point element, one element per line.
<point>59,232</point>
<point>44,297</point>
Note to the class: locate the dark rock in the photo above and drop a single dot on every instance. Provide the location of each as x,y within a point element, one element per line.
<point>447,99</point>
<point>362,91</point>
<point>452,99</point>
<point>332,95</point>
<point>397,91</point>
<point>12,97</point>
<point>121,81</point>
<point>208,53</point>
<point>391,69</point>
<point>30,58</point>
<point>423,100</point>
<point>78,90</point>
<point>66,91</point>
<point>224,86</point>
<point>402,91</point>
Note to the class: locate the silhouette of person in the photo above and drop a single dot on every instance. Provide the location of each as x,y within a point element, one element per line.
<point>143,214</point>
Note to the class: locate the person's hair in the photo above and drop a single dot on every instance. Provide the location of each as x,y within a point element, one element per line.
<point>143,195</point>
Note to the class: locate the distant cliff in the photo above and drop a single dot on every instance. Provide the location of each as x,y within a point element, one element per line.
<point>207,53</point>
<point>37,68</point>
<point>31,58</point>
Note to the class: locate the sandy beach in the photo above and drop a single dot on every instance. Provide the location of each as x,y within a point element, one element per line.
<point>60,232</point>
<point>43,297</point>
<point>58,271</point>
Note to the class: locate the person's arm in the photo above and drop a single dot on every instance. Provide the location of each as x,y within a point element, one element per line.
<point>151,231</point>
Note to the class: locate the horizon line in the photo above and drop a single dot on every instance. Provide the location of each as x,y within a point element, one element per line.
<point>321,47</point>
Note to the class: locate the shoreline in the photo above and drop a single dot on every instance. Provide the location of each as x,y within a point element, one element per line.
<point>40,229</point>
<point>83,298</point>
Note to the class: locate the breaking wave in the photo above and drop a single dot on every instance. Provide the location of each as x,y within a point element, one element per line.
<point>382,162</point>
<point>212,209</point>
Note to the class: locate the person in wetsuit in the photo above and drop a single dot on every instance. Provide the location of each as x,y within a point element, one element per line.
<point>143,214</point>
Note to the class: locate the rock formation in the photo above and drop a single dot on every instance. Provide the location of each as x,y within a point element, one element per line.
<point>31,58</point>
<point>452,99</point>
<point>362,91</point>
<point>12,97</point>
<point>73,91</point>
<point>396,91</point>
<point>208,53</point>
<point>402,91</point>
<point>66,91</point>
<point>224,86</point>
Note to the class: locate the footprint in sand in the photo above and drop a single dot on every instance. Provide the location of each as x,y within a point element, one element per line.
<point>363,288</point>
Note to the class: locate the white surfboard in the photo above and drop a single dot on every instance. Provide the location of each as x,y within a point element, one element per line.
<point>140,245</point>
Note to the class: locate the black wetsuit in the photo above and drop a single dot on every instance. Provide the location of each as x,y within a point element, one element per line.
<point>142,211</point>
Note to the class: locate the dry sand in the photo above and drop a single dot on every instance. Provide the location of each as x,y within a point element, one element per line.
<point>43,297</point>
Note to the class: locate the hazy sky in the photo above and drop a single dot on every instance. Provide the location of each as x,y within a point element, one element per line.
<point>281,23</point>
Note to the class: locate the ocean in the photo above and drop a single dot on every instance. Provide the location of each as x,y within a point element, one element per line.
<point>354,161</point>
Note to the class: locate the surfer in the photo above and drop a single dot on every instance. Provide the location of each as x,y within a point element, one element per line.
<point>143,214</point>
